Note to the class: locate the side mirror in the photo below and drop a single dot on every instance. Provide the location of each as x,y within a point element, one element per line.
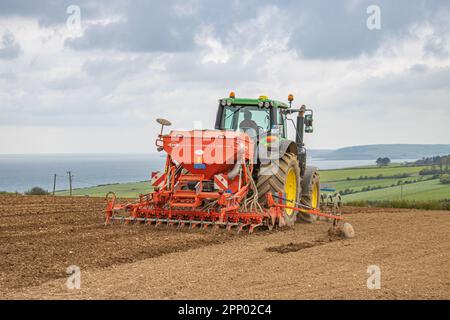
<point>309,123</point>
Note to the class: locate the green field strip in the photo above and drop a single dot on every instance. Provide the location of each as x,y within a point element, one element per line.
<point>427,190</point>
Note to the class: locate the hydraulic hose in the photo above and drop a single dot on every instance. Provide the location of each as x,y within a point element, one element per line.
<point>237,166</point>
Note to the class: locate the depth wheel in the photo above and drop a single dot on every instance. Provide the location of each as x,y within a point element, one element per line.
<point>282,175</point>
<point>348,231</point>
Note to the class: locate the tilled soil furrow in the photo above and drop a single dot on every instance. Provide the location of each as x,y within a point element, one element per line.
<point>41,236</point>
<point>43,239</point>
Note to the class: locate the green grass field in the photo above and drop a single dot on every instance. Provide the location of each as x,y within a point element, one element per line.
<point>357,185</point>
<point>354,173</point>
<point>421,191</point>
<point>124,190</point>
<point>338,179</point>
<point>418,191</point>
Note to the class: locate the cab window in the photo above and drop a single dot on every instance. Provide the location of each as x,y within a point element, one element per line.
<point>233,116</point>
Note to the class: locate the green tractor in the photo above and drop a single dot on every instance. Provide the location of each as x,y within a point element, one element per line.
<point>280,163</point>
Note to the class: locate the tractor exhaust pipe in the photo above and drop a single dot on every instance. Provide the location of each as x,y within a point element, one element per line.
<point>300,127</point>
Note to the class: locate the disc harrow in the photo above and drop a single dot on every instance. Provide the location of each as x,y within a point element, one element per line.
<point>233,220</point>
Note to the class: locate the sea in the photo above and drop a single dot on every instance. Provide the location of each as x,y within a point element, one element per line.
<point>22,172</point>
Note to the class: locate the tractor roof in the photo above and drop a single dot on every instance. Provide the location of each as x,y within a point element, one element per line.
<point>255,102</point>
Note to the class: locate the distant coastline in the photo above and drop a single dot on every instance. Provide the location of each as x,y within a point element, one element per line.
<point>393,151</point>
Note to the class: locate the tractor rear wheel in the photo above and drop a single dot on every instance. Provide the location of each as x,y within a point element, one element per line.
<point>281,176</point>
<point>310,192</point>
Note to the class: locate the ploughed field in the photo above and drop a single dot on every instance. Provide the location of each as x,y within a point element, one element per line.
<point>41,236</point>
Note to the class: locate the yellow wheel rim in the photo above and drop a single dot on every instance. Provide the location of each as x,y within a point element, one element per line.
<point>315,196</point>
<point>291,190</point>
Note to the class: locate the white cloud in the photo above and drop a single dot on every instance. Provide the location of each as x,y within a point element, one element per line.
<point>102,98</point>
<point>213,49</point>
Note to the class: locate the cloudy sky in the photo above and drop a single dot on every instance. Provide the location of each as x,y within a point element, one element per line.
<point>98,85</point>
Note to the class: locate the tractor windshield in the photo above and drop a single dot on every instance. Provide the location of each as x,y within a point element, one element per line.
<point>246,117</point>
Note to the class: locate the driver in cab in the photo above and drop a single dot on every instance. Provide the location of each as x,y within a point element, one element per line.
<point>248,124</point>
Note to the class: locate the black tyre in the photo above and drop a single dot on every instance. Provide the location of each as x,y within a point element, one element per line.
<point>281,176</point>
<point>310,192</point>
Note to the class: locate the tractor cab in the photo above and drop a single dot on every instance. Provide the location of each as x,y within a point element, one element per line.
<point>259,118</point>
<point>265,121</point>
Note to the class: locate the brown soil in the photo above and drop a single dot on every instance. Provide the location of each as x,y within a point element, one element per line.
<point>41,236</point>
